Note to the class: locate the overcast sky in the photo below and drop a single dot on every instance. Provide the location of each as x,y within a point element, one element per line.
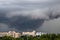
<point>28,15</point>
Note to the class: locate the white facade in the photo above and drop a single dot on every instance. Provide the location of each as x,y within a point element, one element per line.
<point>10,33</point>
<point>3,34</point>
<point>29,33</point>
<point>40,33</point>
<point>17,34</point>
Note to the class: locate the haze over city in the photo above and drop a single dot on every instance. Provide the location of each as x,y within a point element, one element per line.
<point>28,15</point>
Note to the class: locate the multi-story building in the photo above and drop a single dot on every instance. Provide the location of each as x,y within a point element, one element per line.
<point>17,34</point>
<point>3,34</point>
<point>10,33</point>
<point>29,33</point>
<point>40,33</point>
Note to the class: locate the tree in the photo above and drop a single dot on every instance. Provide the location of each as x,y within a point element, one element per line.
<point>8,38</point>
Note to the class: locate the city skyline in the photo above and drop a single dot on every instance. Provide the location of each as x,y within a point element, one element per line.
<point>19,34</point>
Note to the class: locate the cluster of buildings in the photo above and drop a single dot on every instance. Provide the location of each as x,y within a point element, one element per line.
<point>17,34</point>
<point>10,33</point>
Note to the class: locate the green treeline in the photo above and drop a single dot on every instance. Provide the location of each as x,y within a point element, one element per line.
<point>42,37</point>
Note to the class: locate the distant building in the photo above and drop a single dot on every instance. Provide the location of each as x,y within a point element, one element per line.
<point>40,33</point>
<point>33,33</point>
<point>10,33</point>
<point>17,34</point>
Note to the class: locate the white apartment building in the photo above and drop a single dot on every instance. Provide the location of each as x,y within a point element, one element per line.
<point>33,33</point>
<point>40,33</point>
<point>10,33</point>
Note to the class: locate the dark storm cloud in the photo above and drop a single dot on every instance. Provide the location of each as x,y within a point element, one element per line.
<point>20,23</point>
<point>26,15</point>
<point>26,24</point>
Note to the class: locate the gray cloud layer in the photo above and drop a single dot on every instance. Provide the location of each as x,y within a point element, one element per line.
<point>52,26</point>
<point>28,14</point>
